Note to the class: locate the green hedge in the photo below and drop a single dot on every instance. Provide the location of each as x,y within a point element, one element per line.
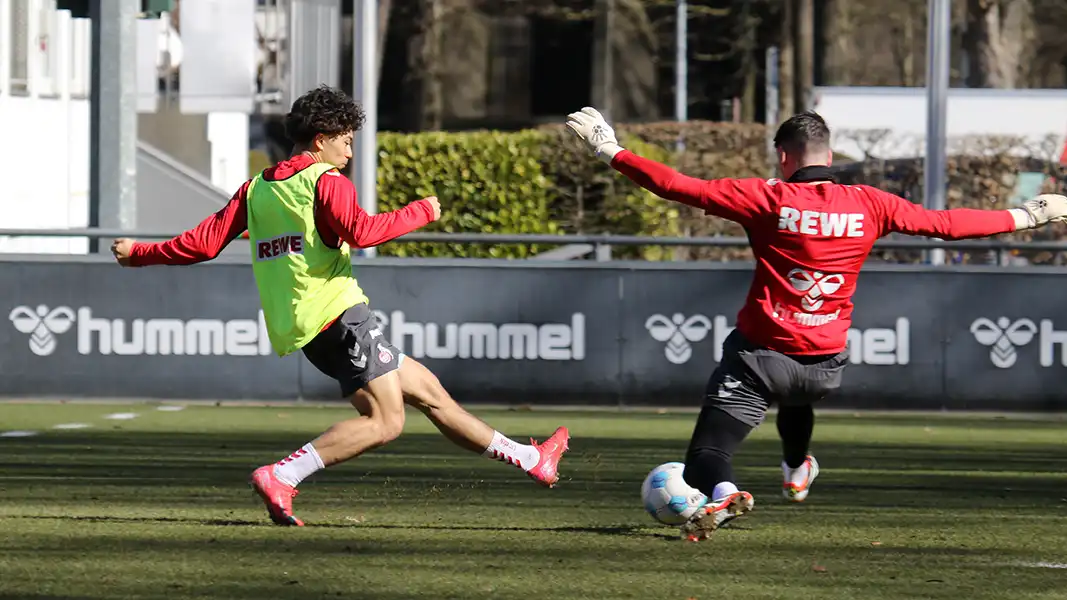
<point>487,182</point>
<point>544,181</point>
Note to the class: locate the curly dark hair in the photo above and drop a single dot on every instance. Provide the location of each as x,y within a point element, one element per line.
<point>324,110</point>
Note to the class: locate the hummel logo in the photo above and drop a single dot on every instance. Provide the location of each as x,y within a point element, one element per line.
<point>360,361</point>
<point>678,332</point>
<point>42,325</point>
<point>1002,337</point>
<point>816,285</point>
<point>728,384</point>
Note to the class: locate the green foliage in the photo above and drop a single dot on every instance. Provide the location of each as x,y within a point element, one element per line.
<point>487,182</point>
<point>641,212</point>
<point>544,181</point>
<point>710,151</point>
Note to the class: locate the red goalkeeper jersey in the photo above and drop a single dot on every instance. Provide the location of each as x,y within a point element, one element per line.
<point>809,241</point>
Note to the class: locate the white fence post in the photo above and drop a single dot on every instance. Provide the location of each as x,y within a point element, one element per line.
<point>5,47</point>
<point>33,48</point>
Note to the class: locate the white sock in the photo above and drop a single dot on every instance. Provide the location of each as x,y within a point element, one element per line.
<point>797,475</point>
<point>292,469</point>
<point>723,490</point>
<point>504,449</point>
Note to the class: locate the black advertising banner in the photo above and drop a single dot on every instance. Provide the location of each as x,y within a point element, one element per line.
<point>511,333</point>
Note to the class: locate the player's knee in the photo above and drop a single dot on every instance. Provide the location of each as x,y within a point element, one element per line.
<point>362,401</point>
<point>391,426</point>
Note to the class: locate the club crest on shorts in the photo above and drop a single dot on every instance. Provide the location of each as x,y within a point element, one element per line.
<point>384,355</point>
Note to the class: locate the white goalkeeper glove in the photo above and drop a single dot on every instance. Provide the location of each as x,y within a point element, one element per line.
<point>590,127</point>
<point>1046,208</point>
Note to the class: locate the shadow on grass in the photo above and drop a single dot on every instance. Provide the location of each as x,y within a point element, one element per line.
<point>612,530</point>
<point>162,468</point>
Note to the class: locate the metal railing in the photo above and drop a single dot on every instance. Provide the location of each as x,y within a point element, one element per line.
<point>599,243</point>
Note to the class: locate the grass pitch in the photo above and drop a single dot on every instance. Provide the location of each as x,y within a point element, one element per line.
<point>157,506</point>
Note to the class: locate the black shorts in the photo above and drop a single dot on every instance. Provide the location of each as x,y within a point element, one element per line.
<point>749,379</point>
<point>354,352</point>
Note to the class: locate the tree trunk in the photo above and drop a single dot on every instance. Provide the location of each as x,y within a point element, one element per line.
<point>603,92</point>
<point>805,80</point>
<point>908,60</point>
<point>432,93</point>
<point>787,63</point>
<point>384,10</point>
<point>748,63</point>
<point>904,43</point>
<point>998,41</point>
<point>837,36</point>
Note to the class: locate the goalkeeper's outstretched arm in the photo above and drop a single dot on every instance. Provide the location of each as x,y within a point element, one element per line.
<point>901,216</point>
<point>739,200</point>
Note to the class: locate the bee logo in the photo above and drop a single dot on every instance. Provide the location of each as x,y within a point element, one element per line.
<point>42,326</point>
<point>1003,337</point>
<point>816,285</point>
<point>679,333</point>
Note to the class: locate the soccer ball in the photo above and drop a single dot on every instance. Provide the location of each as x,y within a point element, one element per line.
<point>667,497</point>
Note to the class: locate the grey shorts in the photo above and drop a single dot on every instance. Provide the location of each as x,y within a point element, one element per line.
<point>750,379</point>
<point>353,350</point>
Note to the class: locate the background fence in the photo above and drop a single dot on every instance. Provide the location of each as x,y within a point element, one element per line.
<point>512,332</point>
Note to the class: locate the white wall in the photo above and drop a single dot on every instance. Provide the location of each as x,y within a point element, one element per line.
<point>49,189</point>
<point>1033,115</point>
<point>46,153</point>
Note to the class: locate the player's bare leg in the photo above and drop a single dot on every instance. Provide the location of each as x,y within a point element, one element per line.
<point>380,422</point>
<point>424,391</point>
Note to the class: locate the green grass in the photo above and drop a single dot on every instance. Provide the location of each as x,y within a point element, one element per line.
<point>157,507</point>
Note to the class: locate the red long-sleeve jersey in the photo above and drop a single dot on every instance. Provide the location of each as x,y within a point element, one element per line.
<point>338,217</point>
<point>809,241</point>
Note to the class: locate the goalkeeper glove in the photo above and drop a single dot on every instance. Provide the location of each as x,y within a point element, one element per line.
<point>590,127</point>
<point>1040,210</point>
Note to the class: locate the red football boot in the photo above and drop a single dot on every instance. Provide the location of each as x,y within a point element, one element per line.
<point>715,514</point>
<point>546,472</point>
<point>276,495</point>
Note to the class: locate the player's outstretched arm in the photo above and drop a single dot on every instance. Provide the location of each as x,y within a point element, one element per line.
<point>339,210</point>
<point>202,243</point>
<point>735,199</point>
<point>902,216</point>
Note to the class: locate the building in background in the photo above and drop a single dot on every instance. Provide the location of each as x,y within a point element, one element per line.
<point>215,77</point>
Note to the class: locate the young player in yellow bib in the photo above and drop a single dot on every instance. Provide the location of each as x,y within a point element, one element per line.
<point>302,217</point>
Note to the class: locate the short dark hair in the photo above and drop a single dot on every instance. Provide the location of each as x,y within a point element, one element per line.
<point>324,110</point>
<point>803,133</point>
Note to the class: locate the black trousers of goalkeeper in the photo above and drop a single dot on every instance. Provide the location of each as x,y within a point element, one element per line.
<point>747,382</point>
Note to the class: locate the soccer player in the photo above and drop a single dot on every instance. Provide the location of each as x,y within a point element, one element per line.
<point>809,236</point>
<point>302,217</point>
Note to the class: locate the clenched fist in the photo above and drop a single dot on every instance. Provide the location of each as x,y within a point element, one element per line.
<point>121,248</point>
<point>436,204</point>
